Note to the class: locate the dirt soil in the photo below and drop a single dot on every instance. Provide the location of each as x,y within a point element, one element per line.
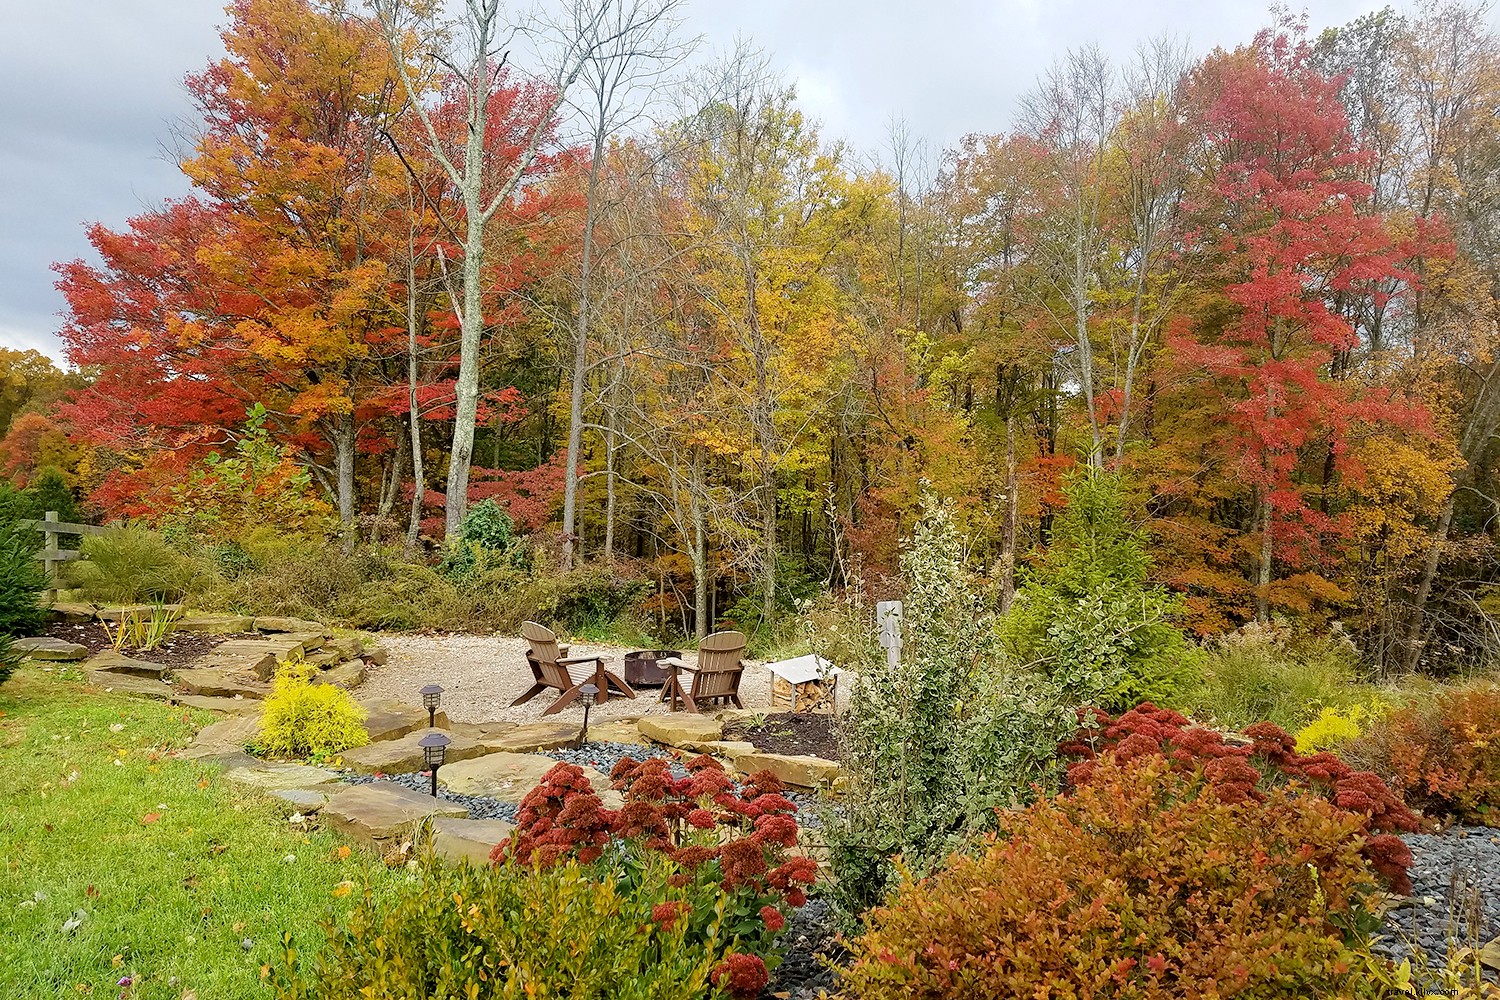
<point>790,734</point>
<point>178,650</point>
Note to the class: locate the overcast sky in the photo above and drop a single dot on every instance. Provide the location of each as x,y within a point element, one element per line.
<point>89,90</point>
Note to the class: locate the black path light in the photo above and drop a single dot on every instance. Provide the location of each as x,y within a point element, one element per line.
<point>432,696</point>
<point>434,750</point>
<point>588,691</point>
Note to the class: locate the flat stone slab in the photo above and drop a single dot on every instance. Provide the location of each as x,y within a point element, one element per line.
<point>274,775</point>
<point>229,706</point>
<point>686,732</point>
<point>110,661</point>
<point>274,624</point>
<point>73,612</point>
<point>730,750</point>
<point>224,739</point>
<point>482,730</point>
<point>380,812</point>
<point>300,800</point>
<point>216,624</point>
<point>376,655</point>
<point>44,647</point>
<point>468,840</point>
<point>617,731</point>
<point>548,735</point>
<point>347,647</point>
<point>403,756</point>
<point>142,687</point>
<point>391,720</point>
<point>801,770</point>
<point>256,656</point>
<point>310,642</point>
<point>509,776</point>
<point>348,676</point>
<point>119,612</point>
<point>214,682</point>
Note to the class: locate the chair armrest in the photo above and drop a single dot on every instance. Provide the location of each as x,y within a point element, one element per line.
<point>564,661</point>
<point>672,663</point>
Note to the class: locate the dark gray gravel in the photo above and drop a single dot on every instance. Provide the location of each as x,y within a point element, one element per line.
<point>808,944</point>
<point>479,806</point>
<point>1455,878</point>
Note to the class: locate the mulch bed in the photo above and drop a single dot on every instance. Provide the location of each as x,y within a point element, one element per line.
<point>178,650</point>
<point>790,734</point>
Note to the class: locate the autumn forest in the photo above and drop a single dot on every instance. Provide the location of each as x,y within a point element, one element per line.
<point>629,292</point>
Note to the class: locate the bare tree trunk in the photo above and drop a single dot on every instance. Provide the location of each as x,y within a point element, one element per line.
<point>701,615</point>
<point>419,479</point>
<point>1263,566</point>
<point>611,442</point>
<point>580,361</point>
<point>343,439</point>
<point>1012,509</point>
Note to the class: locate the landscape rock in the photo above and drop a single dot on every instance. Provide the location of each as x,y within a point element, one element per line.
<point>110,661</point>
<point>509,776</point>
<point>687,732</point>
<point>346,647</point>
<point>391,720</point>
<point>47,648</point>
<point>73,613</point>
<point>348,676</point>
<point>801,770</point>
<point>220,683</point>
<point>224,739</point>
<point>403,755</point>
<point>258,656</point>
<point>617,731</point>
<point>380,812</point>
<point>1489,955</point>
<point>273,624</point>
<point>274,775</point>
<point>376,655</point>
<point>300,800</point>
<point>310,642</point>
<point>469,840</point>
<point>482,730</point>
<point>546,735</point>
<point>229,706</point>
<point>142,687</point>
<point>325,658</point>
<point>730,750</point>
<point>216,624</point>
<point>121,611</point>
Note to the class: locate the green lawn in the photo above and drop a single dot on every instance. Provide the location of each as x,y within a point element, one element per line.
<point>174,871</point>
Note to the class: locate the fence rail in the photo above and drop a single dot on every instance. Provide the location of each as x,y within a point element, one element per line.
<point>50,554</point>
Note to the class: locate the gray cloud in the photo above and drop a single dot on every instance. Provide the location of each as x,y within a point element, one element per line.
<point>89,90</point>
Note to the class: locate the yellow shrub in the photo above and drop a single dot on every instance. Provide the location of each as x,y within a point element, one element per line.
<point>303,719</point>
<point>1333,728</point>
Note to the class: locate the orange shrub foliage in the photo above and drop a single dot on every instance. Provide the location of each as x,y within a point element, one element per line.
<point>1443,756</point>
<point>1131,886</point>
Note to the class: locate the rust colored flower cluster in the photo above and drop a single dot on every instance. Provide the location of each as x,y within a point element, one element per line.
<point>744,976</point>
<point>1242,773</point>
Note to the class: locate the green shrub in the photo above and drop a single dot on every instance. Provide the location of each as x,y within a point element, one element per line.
<point>590,598</point>
<point>9,658</point>
<point>486,540</point>
<point>933,745</point>
<point>511,932</point>
<point>22,580</point>
<point>132,564</point>
<point>1132,887</point>
<point>1275,673</point>
<point>1089,617</point>
<point>303,719</point>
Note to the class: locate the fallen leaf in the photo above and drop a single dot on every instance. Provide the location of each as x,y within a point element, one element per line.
<point>117,961</point>
<point>91,892</point>
<point>343,889</point>
<point>343,852</point>
<point>150,818</point>
<point>203,783</point>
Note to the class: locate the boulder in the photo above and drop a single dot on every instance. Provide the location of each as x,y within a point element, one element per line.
<point>468,840</point>
<point>381,814</point>
<point>730,750</point>
<point>215,682</point>
<point>224,739</point>
<point>376,655</point>
<point>403,756</point>
<point>141,687</point>
<point>546,735</point>
<point>121,611</point>
<point>509,776</point>
<point>347,676</point>
<point>687,732</point>
<point>300,800</point>
<point>216,624</point>
<point>346,647</point>
<point>801,770</point>
<point>228,706</point>
<point>110,661</point>
<point>47,648</point>
<point>72,612</point>
<point>391,720</point>
<point>273,624</point>
<point>274,775</point>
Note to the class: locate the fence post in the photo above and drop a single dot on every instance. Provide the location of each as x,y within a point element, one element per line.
<point>49,545</point>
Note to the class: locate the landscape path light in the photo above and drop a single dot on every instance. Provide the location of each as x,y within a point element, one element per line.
<point>434,750</point>
<point>588,691</point>
<point>432,696</point>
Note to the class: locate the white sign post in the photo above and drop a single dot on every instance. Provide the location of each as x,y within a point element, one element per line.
<point>888,617</point>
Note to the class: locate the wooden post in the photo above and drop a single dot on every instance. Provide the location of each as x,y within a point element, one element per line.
<point>49,564</point>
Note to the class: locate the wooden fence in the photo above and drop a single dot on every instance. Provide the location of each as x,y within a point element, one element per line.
<point>50,554</point>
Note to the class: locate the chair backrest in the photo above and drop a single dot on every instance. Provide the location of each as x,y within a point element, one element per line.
<point>720,663</point>
<point>544,649</point>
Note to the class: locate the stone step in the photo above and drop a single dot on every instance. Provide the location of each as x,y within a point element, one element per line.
<point>228,706</point>
<point>686,732</point>
<point>510,776</point>
<point>468,840</point>
<point>348,676</point>
<point>274,624</point>
<point>800,770</point>
<point>142,687</point>
<point>219,683</point>
<point>617,731</point>
<point>391,720</point>
<point>73,612</point>
<point>300,800</point>
<point>546,735</point>
<point>274,775</point>
<point>211,624</point>
<point>382,814</point>
<point>119,612</point>
<point>44,647</point>
<point>111,661</point>
<point>403,756</point>
<point>223,740</point>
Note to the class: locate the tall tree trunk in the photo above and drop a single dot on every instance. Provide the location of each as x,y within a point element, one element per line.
<point>344,436</point>
<point>1263,565</point>
<point>390,484</point>
<point>1008,530</point>
<point>419,480</point>
<point>701,613</point>
<point>580,360</point>
<point>611,442</point>
<point>461,454</point>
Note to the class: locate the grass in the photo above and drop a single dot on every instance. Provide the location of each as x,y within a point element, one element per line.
<point>173,869</point>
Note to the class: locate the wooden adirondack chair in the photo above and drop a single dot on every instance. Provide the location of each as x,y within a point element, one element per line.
<point>716,678</point>
<point>550,670</point>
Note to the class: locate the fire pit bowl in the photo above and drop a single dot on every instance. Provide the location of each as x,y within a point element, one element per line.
<point>641,669</point>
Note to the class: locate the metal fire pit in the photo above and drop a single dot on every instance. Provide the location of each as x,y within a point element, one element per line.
<point>641,669</point>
